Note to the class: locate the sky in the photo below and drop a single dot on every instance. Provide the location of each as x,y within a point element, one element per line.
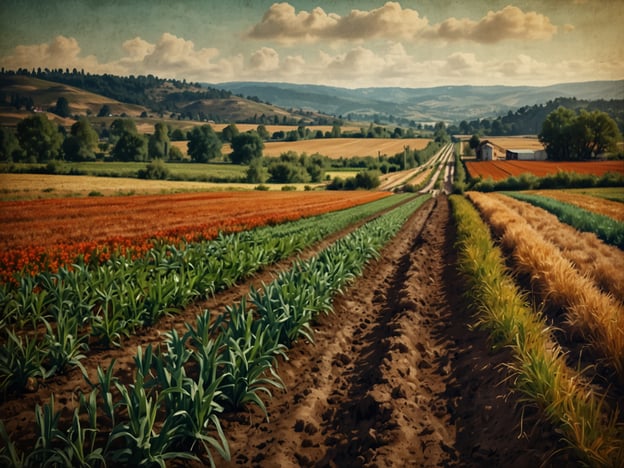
<point>348,43</point>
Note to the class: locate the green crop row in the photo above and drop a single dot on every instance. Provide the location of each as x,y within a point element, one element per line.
<point>539,370</point>
<point>172,407</point>
<point>74,307</point>
<point>606,228</point>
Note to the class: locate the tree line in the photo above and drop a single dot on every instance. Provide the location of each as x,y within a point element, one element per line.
<point>528,120</point>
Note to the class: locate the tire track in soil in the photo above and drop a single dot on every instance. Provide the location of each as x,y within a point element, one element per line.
<point>395,377</point>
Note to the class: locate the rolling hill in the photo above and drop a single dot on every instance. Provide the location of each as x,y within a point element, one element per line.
<point>447,103</point>
<point>133,97</point>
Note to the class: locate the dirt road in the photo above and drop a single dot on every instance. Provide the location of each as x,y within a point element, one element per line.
<point>395,377</point>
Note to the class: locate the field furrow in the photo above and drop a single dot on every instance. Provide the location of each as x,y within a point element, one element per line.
<point>393,375</point>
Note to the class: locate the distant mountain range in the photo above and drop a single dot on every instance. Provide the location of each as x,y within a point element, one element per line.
<point>446,103</point>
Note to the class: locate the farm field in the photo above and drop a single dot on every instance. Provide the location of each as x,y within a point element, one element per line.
<point>397,346</point>
<point>41,186</point>
<point>388,370</point>
<point>346,147</point>
<point>603,206</point>
<point>500,170</point>
<point>54,231</point>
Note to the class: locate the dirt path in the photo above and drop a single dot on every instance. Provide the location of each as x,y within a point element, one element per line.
<point>394,377</point>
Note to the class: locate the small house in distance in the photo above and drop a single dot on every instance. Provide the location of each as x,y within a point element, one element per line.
<point>525,154</point>
<point>488,151</point>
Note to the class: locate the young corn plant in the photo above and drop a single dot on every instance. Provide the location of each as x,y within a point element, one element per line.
<point>21,363</point>
<point>64,346</point>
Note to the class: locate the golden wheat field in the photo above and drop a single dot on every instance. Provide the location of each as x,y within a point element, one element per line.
<point>519,142</point>
<point>346,147</point>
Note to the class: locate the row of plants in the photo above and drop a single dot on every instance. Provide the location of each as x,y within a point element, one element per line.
<point>593,258</point>
<point>172,408</point>
<point>608,229</point>
<point>593,314</point>
<point>559,180</point>
<point>69,310</point>
<point>538,370</point>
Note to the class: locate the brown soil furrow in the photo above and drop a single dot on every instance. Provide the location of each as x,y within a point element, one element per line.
<point>18,411</point>
<point>395,377</point>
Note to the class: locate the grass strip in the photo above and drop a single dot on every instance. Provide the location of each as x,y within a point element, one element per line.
<point>539,370</point>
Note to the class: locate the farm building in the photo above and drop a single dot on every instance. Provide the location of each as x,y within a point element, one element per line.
<point>488,151</point>
<point>525,154</point>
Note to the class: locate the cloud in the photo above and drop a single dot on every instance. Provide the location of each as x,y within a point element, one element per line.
<point>509,23</point>
<point>265,59</point>
<point>60,52</point>
<point>281,23</point>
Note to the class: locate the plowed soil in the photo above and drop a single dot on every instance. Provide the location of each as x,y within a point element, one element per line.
<point>395,376</point>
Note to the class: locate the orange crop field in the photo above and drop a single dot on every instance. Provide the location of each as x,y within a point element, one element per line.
<point>346,147</point>
<point>499,170</point>
<point>54,232</point>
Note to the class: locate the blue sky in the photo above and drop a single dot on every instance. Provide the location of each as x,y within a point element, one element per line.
<point>345,43</point>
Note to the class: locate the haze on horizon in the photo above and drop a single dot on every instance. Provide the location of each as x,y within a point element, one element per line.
<point>344,43</point>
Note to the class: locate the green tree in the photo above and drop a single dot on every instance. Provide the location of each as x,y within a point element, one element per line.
<point>105,111</point>
<point>229,133</point>
<point>263,132</point>
<point>39,138</point>
<point>10,149</point>
<point>246,147</point>
<point>119,127</point>
<point>158,145</point>
<point>257,172</point>
<point>130,147</point>
<point>204,144</point>
<point>288,173</point>
<point>474,141</point>
<point>82,142</point>
<point>62,107</point>
<point>567,135</point>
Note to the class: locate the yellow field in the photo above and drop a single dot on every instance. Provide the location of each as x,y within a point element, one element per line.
<point>34,186</point>
<point>332,147</point>
<point>345,147</point>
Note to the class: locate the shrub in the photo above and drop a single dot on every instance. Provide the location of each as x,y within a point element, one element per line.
<point>155,170</point>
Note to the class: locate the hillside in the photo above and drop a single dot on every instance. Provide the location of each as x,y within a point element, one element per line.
<point>447,103</point>
<point>23,92</point>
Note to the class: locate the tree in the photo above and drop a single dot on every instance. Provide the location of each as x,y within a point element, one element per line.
<point>119,127</point>
<point>474,141</point>
<point>130,147</point>
<point>159,144</point>
<point>567,135</point>
<point>263,132</point>
<point>257,173</point>
<point>105,111</point>
<point>9,146</point>
<point>228,133</point>
<point>62,107</point>
<point>246,147</point>
<point>82,143</point>
<point>39,138</point>
<point>204,144</point>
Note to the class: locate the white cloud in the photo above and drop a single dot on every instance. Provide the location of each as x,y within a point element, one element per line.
<point>282,23</point>
<point>60,52</point>
<point>389,64</point>
<point>509,23</point>
<point>265,59</point>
